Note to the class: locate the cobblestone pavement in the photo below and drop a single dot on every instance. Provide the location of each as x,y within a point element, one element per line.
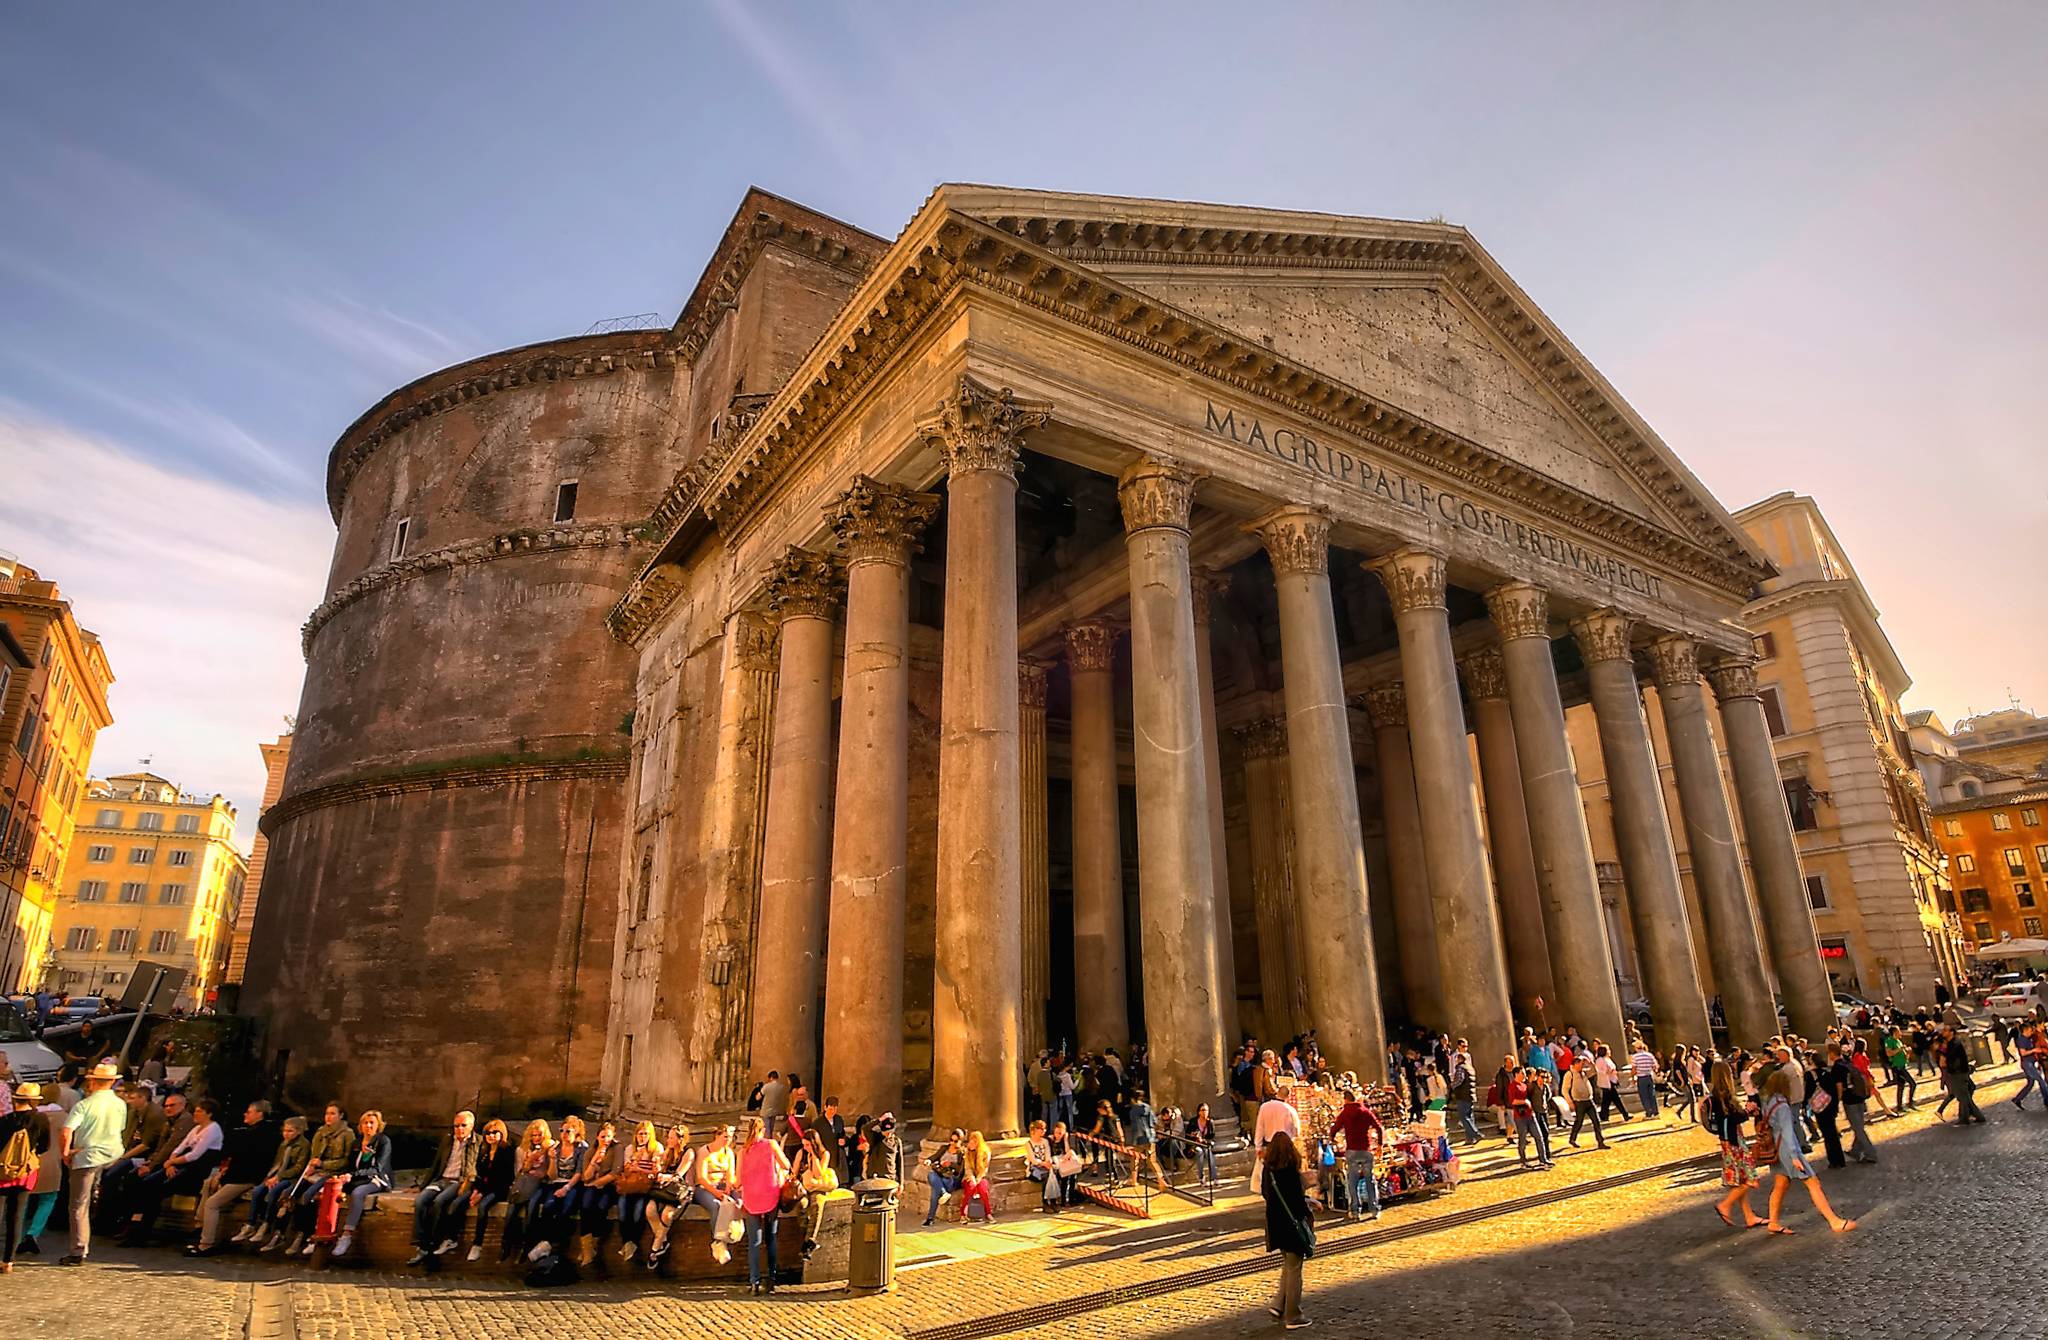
<point>1645,1258</point>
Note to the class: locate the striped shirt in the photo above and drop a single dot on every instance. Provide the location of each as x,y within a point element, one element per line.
<point>1644,1064</point>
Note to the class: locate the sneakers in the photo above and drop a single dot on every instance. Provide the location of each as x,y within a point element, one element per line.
<point>418,1257</point>
<point>540,1249</point>
<point>1298,1324</point>
<point>476,1253</point>
<point>72,1260</point>
<point>447,1245</point>
<point>311,1246</point>
<point>248,1232</point>
<point>626,1250</point>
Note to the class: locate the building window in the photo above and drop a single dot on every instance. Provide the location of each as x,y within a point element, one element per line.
<point>188,823</point>
<point>180,858</point>
<point>2031,818</point>
<point>79,938</point>
<point>141,855</point>
<point>99,853</point>
<point>2014,866</point>
<point>2023,893</point>
<point>131,891</point>
<point>171,894</point>
<point>1976,900</point>
<point>1982,930</point>
<point>2041,856</point>
<point>150,823</point>
<point>108,819</point>
<point>1951,828</point>
<point>26,740</point>
<point>2001,821</point>
<point>1816,893</point>
<point>1969,790</point>
<point>1799,802</point>
<point>399,536</point>
<point>163,942</point>
<point>565,500</point>
<point>1966,864</point>
<point>1774,710</point>
<point>92,890</point>
<point>121,941</point>
<point>1765,645</point>
<point>2031,925</point>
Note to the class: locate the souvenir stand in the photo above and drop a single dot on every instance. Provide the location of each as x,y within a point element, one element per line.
<point>1416,1158</point>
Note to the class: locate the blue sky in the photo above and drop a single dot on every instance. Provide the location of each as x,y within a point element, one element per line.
<point>1804,241</point>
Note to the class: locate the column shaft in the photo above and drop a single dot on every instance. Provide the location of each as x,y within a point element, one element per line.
<point>1407,861</point>
<point>1329,848</point>
<point>1710,840</point>
<point>1282,988</point>
<point>1101,990</point>
<point>1581,966</point>
<point>1207,586</point>
<point>1468,941</point>
<point>1642,833</point>
<point>1032,855</point>
<point>1507,833</point>
<point>1183,1020</point>
<point>1773,851</point>
<point>863,1056</point>
<point>796,848</point>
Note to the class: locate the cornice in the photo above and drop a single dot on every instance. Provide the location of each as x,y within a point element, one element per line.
<point>455,775</point>
<point>438,392</point>
<point>512,544</point>
<point>718,290</point>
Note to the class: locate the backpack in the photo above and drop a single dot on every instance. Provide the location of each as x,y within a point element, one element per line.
<point>1859,1087</point>
<point>553,1271</point>
<point>18,1161</point>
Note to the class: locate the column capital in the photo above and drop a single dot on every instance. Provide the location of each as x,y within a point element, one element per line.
<point>1519,610</point>
<point>1297,540</point>
<point>1030,684</point>
<point>753,634</point>
<point>1486,674</point>
<point>1414,578</point>
<point>1263,738</point>
<point>1208,583</point>
<point>1675,660</point>
<point>879,523</point>
<point>979,427</point>
<point>1157,494</point>
<point>1603,635</point>
<point>1386,705</point>
<point>1733,677</point>
<point>802,584</point>
<point>1091,644</point>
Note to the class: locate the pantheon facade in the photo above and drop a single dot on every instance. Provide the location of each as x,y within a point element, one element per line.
<point>1077,621</point>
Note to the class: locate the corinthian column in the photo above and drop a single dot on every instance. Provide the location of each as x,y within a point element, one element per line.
<point>1773,851</point>
<point>1580,964</point>
<point>1282,987</point>
<point>1101,989</point>
<point>877,525</point>
<point>1507,832</point>
<point>1642,833</point>
<point>1176,885</point>
<point>977,998</point>
<point>1386,707</point>
<point>802,594</point>
<point>1036,878</point>
<point>1208,584</point>
<point>1329,849</point>
<point>1475,977</point>
<point>1710,840</point>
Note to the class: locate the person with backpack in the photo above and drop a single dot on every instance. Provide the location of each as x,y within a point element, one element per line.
<point>24,1135</point>
<point>1897,1057</point>
<point>1857,1091</point>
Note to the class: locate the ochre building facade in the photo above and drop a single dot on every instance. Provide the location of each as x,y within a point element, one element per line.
<point>1079,620</point>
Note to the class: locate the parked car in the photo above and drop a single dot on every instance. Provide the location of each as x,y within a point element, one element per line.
<point>77,1008</point>
<point>2018,1000</point>
<point>1636,1012</point>
<point>26,1057</point>
<point>1846,1005</point>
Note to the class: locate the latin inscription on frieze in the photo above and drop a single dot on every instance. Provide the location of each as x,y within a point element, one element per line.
<point>1391,488</point>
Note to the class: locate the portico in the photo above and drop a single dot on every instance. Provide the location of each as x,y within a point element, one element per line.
<point>1151,470</point>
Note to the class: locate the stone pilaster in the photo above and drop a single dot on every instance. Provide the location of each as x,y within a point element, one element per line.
<point>1184,1021</point>
<point>1642,833</point>
<point>876,526</point>
<point>1732,945</point>
<point>977,998</point>
<point>1507,833</point>
<point>1329,849</point>
<point>1386,707</point>
<point>1282,986</point>
<point>1781,898</point>
<point>802,594</point>
<point>1032,856</point>
<point>1580,965</point>
<point>1208,585</point>
<point>1468,941</point>
<point>1101,990</point>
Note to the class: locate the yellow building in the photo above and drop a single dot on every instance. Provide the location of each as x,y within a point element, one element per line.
<point>154,875</point>
<point>2012,739</point>
<point>53,705</point>
<point>275,755</point>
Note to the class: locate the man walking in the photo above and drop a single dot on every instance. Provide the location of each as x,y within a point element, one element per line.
<point>1955,1069</point>
<point>1464,1090</point>
<point>1643,1062</point>
<point>1578,1090</point>
<point>90,1142</point>
<point>1362,1132</point>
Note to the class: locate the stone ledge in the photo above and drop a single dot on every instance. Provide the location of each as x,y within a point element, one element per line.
<point>602,767</point>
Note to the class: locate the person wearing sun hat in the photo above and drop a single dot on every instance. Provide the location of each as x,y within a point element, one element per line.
<point>91,1141</point>
<point>20,1174</point>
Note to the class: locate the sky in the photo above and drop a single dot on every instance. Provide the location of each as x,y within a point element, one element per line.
<point>1805,242</point>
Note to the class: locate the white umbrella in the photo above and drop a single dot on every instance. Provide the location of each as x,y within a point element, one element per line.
<point>2013,949</point>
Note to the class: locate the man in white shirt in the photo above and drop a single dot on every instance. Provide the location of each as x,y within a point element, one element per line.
<point>1277,1114</point>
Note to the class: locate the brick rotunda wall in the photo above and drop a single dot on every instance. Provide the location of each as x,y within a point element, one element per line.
<point>441,898</point>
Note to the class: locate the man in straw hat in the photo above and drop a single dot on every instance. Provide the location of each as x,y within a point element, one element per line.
<point>91,1141</point>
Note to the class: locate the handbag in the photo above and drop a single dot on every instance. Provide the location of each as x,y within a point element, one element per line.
<point>1067,1164</point>
<point>635,1181</point>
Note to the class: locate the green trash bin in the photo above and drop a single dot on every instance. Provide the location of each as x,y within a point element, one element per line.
<point>871,1257</point>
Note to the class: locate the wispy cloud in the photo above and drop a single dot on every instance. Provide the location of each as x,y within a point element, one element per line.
<point>384,340</point>
<point>196,588</point>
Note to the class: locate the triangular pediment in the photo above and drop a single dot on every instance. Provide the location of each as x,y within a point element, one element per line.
<point>1415,315</point>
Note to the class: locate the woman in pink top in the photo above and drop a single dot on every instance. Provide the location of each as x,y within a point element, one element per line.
<point>763,1169</point>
